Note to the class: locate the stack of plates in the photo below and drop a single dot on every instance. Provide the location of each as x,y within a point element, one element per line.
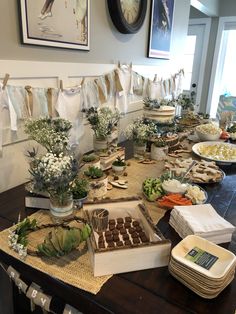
<point>201,220</point>
<point>202,266</point>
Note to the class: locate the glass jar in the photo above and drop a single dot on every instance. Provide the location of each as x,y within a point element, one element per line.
<point>139,150</point>
<point>100,145</point>
<point>61,205</point>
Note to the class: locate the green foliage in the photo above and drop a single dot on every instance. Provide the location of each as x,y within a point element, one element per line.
<point>150,103</point>
<point>80,188</point>
<point>204,115</point>
<point>119,162</point>
<point>185,102</point>
<point>89,158</point>
<point>160,142</point>
<point>23,229</point>
<point>94,172</point>
<point>152,188</point>
<point>61,241</point>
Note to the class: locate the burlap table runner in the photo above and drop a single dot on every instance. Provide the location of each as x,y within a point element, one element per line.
<point>75,268</point>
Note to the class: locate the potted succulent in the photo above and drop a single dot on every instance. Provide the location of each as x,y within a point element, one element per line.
<point>79,189</point>
<point>97,182</point>
<point>159,149</point>
<point>89,160</point>
<point>118,165</point>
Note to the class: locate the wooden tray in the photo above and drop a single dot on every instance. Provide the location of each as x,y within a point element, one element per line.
<point>153,254</point>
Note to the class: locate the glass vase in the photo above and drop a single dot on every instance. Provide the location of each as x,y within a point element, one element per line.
<point>100,145</point>
<point>61,205</point>
<point>139,150</point>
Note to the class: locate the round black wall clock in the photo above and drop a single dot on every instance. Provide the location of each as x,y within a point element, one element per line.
<point>127,15</point>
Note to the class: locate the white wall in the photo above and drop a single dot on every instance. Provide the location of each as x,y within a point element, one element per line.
<point>107,44</point>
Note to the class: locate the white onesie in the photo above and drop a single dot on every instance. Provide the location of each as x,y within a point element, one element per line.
<point>7,113</point>
<point>17,95</point>
<point>68,107</point>
<point>126,80</point>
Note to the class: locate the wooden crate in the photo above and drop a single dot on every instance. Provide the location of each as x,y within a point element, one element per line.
<point>119,260</point>
<point>106,161</point>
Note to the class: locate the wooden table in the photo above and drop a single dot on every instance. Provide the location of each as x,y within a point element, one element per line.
<point>148,291</point>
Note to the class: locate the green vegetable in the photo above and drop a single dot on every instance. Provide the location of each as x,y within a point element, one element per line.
<point>152,188</point>
<point>61,241</point>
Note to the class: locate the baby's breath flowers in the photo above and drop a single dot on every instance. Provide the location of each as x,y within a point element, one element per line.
<point>102,121</point>
<point>53,134</point>
<point>140,130</point>
<point>17,239</point>
<point>54,174</point>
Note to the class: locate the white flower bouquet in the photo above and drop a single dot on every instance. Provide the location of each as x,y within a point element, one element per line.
<point>53,134</point>
<point>140,130</point>
<point>54,174</point>
<point>102,121</point>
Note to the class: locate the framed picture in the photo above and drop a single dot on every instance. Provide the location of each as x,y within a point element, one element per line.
<point>161,22</point>
<point>56,23</point>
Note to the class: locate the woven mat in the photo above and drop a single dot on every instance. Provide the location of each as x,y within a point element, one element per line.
<point>74,268</point>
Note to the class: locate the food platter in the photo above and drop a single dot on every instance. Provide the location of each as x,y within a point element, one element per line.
<point>169,201</point>
<point>168,193</point>
<point>221,153</point>
<point>203,172</point>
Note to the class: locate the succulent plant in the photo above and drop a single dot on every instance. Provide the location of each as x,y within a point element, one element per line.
<point>94,172</point>
<point>160,142</point>
<point>80,188</point>
<point>89,158</point>
<point>119,162</point>
<point>60,241</point>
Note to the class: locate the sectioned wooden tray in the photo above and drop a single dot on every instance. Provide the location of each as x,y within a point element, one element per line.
<point>154,253</point>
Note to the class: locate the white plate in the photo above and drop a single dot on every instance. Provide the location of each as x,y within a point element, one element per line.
<point>195,149</point>
<point>204,191</point>
<point>226,259</point>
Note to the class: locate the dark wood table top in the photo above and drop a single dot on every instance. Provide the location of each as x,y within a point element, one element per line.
<point>148,291</point>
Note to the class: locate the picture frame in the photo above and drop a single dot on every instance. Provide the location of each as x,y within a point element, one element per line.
<point>160,29</point>
<point>60,23</point>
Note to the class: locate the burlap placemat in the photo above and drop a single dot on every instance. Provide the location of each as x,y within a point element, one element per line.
<point>74,268</point>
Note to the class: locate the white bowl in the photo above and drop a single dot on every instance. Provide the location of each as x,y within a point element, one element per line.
<point>207,136</point>
<point>171,189</point>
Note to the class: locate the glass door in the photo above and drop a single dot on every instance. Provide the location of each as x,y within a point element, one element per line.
<point>195,57</point>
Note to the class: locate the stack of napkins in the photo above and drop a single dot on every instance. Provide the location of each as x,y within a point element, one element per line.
<point>201,220</point>
<point>202,266</point>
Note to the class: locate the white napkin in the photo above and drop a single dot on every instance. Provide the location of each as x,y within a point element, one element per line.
<point>201,220</point>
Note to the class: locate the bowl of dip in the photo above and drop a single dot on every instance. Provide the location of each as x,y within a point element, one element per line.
<point>174,186</point>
